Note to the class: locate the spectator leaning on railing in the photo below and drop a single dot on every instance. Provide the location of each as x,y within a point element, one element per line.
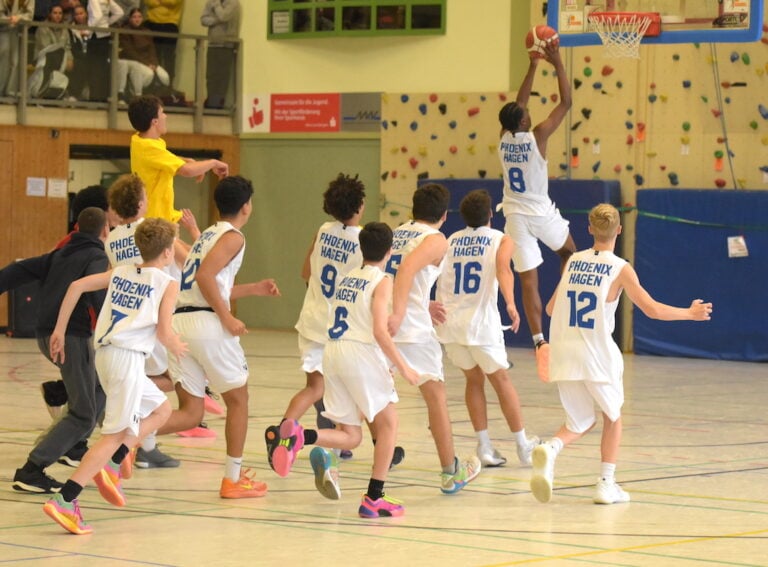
<point>11,12</point>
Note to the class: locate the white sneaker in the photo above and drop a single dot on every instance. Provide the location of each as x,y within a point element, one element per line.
<point>524,451</point>
<point>490,457</point>
<point>543,459</point>
<point>608,492</point>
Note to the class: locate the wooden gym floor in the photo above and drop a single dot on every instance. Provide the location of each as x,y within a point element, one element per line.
<point>694,459</point>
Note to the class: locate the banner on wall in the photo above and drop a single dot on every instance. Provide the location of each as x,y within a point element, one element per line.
<point>329,112</point>
<point>305,112</point>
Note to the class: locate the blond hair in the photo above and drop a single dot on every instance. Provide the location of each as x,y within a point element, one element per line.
<point>153,236</point>
<point>604,220</point>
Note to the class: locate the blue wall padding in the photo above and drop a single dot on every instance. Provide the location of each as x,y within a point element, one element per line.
<point>573,198</point>
<point>678,262</point>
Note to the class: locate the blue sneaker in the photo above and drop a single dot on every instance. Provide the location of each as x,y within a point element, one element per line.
<point>326,468</point>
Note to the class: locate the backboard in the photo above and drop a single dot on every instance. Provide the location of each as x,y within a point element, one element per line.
<point>682,21</point>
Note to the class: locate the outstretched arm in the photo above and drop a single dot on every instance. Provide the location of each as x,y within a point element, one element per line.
<point>194,168</point>
<point>543,131</point>
<point>524,92</point>
<point>698,310</point>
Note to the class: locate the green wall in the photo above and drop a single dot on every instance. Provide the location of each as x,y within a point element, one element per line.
<point>289,177</point>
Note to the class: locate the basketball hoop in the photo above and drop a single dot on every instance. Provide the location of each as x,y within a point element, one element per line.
<point>621,32</point>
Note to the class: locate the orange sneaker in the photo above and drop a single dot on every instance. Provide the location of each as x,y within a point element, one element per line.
<point>126,467</point>
<point>542,360</point>
<point>246,487</point>
<point>108,482</point>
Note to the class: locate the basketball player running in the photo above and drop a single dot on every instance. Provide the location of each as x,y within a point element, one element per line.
<point>530,213</point>
<point>141,300</point>
<point>476,266</point>
<point>586,362</point>
<point>418,252</point>
<point>204,320</point>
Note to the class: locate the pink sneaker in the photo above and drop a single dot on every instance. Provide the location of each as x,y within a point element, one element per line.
<point>290,442</point>
<point>108,482</point>
<point>210,403</point>
<point>384,507</point>
<point>200,432</point>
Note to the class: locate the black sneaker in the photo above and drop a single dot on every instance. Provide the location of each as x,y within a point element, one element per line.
<point>35,481</point>
<point>397,457</point>
<point>54,396</point>
<point>272,439</point>
<point>73,457</point>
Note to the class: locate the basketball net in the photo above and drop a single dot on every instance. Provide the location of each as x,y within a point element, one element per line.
<point>620,34</point>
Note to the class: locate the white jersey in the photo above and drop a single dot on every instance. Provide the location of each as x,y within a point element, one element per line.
<point>352,318</point>
<point>189,292</point>
<point>336,251</point>
<point>128,318</point>
<point>120,246</point>
<point>526,181</point>
<point>417,323</point>
<point>469,290</point>
<point>583,320</point>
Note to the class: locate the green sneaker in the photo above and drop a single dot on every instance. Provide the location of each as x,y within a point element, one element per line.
<point>466,471</point>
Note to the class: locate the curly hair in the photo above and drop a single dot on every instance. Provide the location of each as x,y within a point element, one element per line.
<point>344,197</point>
<point>125,195</point>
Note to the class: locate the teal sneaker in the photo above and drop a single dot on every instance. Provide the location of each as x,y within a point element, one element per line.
<point>326,467</point>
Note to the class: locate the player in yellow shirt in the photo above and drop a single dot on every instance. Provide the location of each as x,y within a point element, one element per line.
<point>154,164</point>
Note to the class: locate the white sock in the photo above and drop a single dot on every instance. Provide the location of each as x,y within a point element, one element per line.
<point>150,442</point>
<point>483,438</point>
<point>232,468</point>
<point>608,471</point>
<point>557,444</point>
<point>537,338</point>
<point>520,437</point>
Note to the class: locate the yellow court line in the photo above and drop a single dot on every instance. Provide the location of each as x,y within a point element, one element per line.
<point>625,549</point>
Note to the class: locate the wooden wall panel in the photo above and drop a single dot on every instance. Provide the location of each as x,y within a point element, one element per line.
<point>30,226</point>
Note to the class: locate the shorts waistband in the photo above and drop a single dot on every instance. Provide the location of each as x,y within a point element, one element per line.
<point>192,309</point>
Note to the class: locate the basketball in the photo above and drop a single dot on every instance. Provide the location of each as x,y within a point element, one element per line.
<point>538,38</point>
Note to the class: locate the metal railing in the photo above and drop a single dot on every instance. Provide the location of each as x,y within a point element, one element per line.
<point>195,106</point>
